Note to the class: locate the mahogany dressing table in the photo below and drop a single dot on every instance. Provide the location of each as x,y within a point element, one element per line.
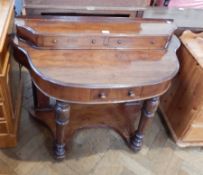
<point>101,71</point>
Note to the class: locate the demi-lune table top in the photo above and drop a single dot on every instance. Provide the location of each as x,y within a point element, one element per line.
<point>102,68</point>
<point>100,52</point>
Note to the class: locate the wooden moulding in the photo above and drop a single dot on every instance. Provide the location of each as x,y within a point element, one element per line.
<point>69,92</point>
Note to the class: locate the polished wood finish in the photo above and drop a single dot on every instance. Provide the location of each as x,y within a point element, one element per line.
<point>62,112</point>
<point>10,98</point>
<point>182,105</point>
<point>98,33</point>
<point>88,116</point>
<point>193,42</point>
<point>40,100</point>
<point>95,77</point>
<point>69,81</point>
<point>96,150</point>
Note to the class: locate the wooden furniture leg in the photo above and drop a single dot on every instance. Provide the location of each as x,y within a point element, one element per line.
<point>148,110</point>
<point>62,112</point>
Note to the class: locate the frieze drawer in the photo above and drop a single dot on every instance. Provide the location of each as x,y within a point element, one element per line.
<point>115,94</point>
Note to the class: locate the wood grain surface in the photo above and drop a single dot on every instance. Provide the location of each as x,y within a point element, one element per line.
<point>182,104</point>
<point>194,43</point>
<point>96,76</point>
<point>10,100</point>
<point>6,11</point>
<point>100,76</point>
<point>96,33</point>
<point>102,69</point>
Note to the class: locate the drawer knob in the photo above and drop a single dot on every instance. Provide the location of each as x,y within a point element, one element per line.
<point>54,41</point>
<point>152,42</point>
<point>131,93</point>
<point>93,41</point>
<point>102,95</point>
<point>119,42</point>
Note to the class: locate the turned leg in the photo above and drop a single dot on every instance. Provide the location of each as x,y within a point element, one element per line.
<point>148,110</point>
<point>62,111</point>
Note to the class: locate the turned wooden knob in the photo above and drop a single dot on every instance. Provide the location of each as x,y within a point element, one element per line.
<point>54,41</point>
<point>102,95</point>
<point>152,42</point>
<point>119,42</point>
<point>131,93</point>
<point>93,41</point>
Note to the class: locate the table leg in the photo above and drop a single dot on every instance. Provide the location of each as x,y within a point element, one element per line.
<point>148,110</point>
<point>62,111</point>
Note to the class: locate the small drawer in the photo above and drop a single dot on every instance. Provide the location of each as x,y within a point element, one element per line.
<point>120,94</point>
<point>2,112</point>
<point>3,128</point>
<point>138,42</point>
<point>71,42</point>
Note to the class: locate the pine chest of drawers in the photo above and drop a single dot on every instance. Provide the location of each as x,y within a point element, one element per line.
<point>182,105</point>
<point>10,82</point>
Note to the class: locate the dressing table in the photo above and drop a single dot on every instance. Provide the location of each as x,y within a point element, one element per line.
<point>96,72</point>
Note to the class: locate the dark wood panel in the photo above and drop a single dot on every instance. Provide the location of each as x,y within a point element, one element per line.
<point>87,116</point>
<point>96,33</point>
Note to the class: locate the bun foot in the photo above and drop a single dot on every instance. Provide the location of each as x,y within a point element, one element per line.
<point>136,141</point>
<point>59,151</point>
